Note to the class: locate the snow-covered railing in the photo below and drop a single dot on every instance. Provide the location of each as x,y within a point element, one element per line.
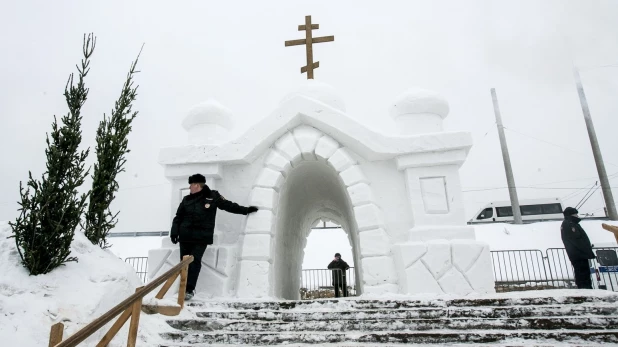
<point>140,264</point>
<point>129,308</point>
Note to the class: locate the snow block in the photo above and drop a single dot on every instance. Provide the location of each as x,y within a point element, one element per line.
<point>156,258</point>
<point>374,243</point>
<point>287,146</point>
<point>277,161</point>
<point>253,281</point>
<point>438,257</point>
<point>326,147</point>
<point>256,247</point>
<point>269,178</point>
<point>341,160</point>
<point>466,253</point>
<point>453,282</point>
<point>307,138</point>
<point>353,175</point>
<point>379,270</point>
<point>259,222</point>
<point>210,282</point>
<point>368,217</point>
<point>360,194</point>
<point>225,260</point>
<point>264,198</point>
<point>210,256</point>
<point>418,279</point>
<point>480,275</point>
<point>407,254</point>
<point>380,289</point>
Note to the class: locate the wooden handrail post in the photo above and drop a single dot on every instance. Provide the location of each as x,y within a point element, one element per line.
<point>55,336</point>
<point>137,308</point>
<point>183,283</point>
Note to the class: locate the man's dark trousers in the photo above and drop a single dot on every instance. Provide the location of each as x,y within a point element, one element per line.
<point>340,281</point>
<point>581,270</point>
<point>197,251</point>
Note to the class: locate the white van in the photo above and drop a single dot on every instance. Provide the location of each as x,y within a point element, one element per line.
<point>535,209</point>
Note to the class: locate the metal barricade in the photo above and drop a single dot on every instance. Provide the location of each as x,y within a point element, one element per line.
<point>560,268</point>
<point>516,270</point>
<point>140,264</point>
<point>318,283</point>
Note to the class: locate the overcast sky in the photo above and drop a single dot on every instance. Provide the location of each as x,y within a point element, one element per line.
<point>233,51</point>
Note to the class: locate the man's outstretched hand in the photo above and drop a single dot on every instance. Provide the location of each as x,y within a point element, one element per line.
<point>252,209</point>
<point>174,239</point>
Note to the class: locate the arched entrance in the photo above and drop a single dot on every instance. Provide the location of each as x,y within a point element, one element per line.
<point>307,175</point>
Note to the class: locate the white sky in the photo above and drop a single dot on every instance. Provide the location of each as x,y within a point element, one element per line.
<point>233,51</point>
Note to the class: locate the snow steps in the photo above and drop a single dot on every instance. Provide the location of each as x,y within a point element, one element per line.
<point>562,319</point>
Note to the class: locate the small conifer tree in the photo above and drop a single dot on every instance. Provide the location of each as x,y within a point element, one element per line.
<point>51,208</point>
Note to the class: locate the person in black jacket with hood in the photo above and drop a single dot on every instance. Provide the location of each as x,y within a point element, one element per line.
<point>578,247</point>
<point>339,278</point>
<point>194,224</point>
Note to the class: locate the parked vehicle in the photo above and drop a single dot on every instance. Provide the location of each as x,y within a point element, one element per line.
<point>534,209</point>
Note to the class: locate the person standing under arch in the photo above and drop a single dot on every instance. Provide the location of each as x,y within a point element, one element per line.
<point>339,276</point>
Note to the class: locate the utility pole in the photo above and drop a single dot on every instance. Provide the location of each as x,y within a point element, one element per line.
<point>507,161</point>
<point>596,151</point>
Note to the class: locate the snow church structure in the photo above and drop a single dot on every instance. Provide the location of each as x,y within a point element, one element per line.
<point>398,197</point>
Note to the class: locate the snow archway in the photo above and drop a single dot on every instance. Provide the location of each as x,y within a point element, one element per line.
<point>308,175</point>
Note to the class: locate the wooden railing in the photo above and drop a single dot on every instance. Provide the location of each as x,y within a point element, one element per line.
<point>130,308</point>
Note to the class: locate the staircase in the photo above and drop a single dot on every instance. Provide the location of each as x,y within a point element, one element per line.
<point>567,317</point>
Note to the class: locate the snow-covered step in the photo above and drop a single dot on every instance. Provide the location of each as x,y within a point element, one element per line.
<point>361,304</point>
<point>425,337</point>
<point>426,313</point>
<point>570,323</point>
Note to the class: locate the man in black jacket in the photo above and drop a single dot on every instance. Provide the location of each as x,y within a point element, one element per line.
<point>578,247</point>
<point>194,224</point>
<point>339,278</point>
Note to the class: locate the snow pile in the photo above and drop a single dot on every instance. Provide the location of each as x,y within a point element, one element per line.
<point>74,294</point>
<point>541,236</point>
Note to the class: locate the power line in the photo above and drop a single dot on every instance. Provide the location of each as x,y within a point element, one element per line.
<point>540,188</point>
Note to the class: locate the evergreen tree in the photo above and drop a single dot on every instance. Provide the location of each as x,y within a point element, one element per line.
<point>51,208</point>
<point>112,145</point>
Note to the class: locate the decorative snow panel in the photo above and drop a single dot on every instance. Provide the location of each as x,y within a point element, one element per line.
<point>368,217</point>
<point>256,247</point>
<point>264,198</point>
<point>253,281</point>
<point>438,257</point>
<point>409,253</point>
<point>465,253</point>
<point>307,138</point>
<point>277,161</point>
<point>418,280</point>
<point>287,146</point>
<point>156,259</point>
<point>453,282</point>
<point>341,160</point>
<point>480,275</point>
<point>210,256</point>
<point>259,222</point>
<point>326,147</point>
<point>374,243</point>
<point>379,270</point>
<point>353,175</point>
<point>269,178</point>
<point>433,192</point>
<point>360,194</point>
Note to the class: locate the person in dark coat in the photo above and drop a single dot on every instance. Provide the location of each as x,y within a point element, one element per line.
<point>194,224</point>
<point>339,278</point>
<point>578,247</point>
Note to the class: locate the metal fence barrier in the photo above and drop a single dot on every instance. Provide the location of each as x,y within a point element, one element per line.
<point>318,283</point>
<point>140,264</point>
<point>516,270</point>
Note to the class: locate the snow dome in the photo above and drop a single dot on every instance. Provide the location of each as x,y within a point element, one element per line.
<point>419,111</point>
<point>318,91</point>
<point>208,123</point>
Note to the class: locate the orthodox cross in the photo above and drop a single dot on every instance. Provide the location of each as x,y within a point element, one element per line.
<point>308,41</point>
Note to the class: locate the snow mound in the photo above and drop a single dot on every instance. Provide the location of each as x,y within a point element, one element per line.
<point>74,294</point>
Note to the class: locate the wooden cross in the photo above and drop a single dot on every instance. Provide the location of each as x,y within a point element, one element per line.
<point>309,41</point>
